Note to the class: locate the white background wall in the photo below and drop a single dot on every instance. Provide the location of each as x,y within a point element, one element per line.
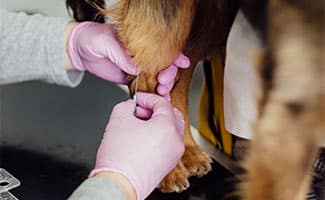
<point>49,7</point>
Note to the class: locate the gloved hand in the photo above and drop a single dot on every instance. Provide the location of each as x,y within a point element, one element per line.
<point>144,151</point>
<point>167,76</point>
<point>95,47</point>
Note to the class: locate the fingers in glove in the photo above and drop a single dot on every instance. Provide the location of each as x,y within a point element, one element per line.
<point>168,97</point>
<point>167,75</point>
<point>179,121</point>
<point>182,61</point>
<point>125,107</point>
<point>143,113</point>
<point>112,73</point>
<point>120,58</point>
<point>160,107</point>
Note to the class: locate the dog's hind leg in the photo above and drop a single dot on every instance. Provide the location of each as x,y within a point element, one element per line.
<point>290,127</point>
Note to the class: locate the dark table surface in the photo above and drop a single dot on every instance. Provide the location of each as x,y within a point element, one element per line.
<point>44,177</point>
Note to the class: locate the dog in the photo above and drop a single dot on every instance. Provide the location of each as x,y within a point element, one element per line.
<point>290,125</point>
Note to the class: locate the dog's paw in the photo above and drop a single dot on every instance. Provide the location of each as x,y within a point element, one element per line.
<point>176,180</point>
<point>196,161</point>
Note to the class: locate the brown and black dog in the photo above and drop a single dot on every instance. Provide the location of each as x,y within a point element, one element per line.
<point>290,126</point>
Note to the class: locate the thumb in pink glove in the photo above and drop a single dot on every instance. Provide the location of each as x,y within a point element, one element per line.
<point>143,151</point>
<point>166,77</point>
<point>95,47</point>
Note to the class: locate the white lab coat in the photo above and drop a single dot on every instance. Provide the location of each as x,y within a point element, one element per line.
<point>242,89</point>
<point>241,85</point>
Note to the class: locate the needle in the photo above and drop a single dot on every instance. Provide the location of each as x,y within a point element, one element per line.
<point>135,92</point>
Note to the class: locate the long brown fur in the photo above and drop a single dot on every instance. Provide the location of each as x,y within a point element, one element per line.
<point>290,126</point>
<point>153,31</point>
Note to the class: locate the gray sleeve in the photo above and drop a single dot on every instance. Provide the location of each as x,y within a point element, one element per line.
<point>97,188</point>
<point>32,48</point>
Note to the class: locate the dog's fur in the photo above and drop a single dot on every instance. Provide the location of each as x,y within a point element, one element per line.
<point>291,123</point>
<point>290,126</point>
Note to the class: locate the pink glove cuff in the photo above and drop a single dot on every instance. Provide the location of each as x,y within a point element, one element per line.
<point>73,49</point>
<point>139,195</point>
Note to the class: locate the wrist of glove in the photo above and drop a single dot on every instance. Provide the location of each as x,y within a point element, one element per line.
<point>73,47</point>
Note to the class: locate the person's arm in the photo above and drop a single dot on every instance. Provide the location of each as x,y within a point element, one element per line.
<point>32,48</point>
<point>57,51</point>
<point>105,185</point>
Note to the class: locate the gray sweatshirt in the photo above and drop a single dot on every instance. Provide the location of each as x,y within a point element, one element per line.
<point>32,48</point>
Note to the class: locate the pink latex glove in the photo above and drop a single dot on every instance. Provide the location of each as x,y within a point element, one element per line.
<point>95,47</point>
<point>167,76</point>
<point>144,151</point>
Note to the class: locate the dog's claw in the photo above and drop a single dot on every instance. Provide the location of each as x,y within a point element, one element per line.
<point>196,162</point>
<point>176,180</point>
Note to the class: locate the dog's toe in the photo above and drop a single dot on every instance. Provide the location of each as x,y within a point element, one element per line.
<point>176,180</point>
<point>196,161</point>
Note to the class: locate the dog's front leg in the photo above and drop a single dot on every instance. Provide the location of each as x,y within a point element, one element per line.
<point>194,161</point>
